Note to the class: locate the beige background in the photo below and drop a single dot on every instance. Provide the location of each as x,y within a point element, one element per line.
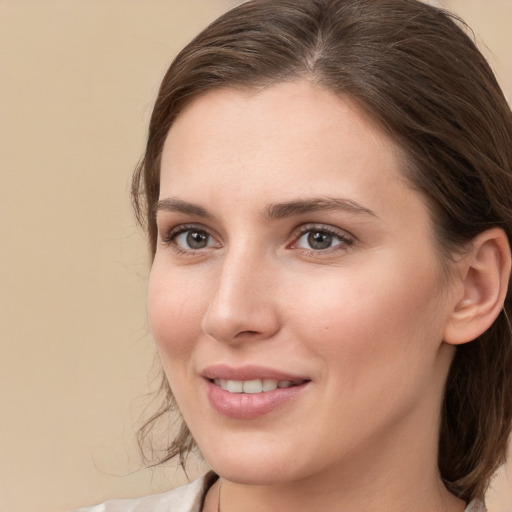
<point>77,79</point>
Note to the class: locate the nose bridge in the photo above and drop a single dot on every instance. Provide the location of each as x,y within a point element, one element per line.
<point>242,305</point>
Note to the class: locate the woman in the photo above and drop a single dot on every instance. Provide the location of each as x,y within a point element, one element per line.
<point>327,189</point>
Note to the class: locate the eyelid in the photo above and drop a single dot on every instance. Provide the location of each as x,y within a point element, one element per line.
<point>172,233</point>
<point>346,238</point>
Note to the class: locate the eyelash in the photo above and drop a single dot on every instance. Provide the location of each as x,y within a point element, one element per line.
<point>345,240</point>
<point>170,239</point>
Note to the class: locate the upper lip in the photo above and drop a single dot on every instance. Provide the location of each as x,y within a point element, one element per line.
<point>250,372</point>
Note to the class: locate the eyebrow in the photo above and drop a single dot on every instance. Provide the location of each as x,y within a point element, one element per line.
<point>281,210</point>
<point>275,210</point>
<point>172,204</point>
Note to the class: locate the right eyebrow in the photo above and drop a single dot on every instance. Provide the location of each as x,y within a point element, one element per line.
<point>172,204</point>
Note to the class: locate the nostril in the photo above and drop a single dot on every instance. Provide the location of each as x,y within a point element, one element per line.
<point>247,333</point>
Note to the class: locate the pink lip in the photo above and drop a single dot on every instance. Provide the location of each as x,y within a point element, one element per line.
<point>249,405</point>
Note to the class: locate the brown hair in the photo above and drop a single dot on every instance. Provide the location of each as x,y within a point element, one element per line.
<point>414,68</point>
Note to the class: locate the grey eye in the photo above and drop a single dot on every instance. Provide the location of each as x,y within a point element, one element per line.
<point>194,239</point>
<point>318,240</point>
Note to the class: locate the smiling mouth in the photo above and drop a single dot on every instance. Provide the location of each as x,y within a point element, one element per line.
<point>251,392</point>
<point>255,385</point>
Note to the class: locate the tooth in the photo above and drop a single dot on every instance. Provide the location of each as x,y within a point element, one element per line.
<point>269,384</point>
<point>235,386</point>
<point>253,386</point>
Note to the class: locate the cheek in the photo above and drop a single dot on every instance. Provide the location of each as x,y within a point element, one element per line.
<point>175,311</point>
<point>377,335</point>
<point>388,317</point>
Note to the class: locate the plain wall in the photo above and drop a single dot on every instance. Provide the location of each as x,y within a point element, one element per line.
<point>77,81</point>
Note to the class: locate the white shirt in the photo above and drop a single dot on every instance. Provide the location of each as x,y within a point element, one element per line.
<point>188,498</point>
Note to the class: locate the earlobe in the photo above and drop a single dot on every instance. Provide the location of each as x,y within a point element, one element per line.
<point>485,274</point>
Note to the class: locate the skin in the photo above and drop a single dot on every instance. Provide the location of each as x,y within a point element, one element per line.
<point>363,319</point>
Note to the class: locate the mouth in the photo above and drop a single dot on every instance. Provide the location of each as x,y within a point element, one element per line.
<point>251,392</point>
<point>255,385</point>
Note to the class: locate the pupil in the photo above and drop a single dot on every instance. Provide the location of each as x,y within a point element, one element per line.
<point>197,239</point>
<point>319,240</point>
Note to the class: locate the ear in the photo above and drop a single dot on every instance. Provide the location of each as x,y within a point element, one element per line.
<point>485,274</point>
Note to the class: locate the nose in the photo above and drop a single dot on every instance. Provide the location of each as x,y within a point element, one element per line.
<point>243,305</point>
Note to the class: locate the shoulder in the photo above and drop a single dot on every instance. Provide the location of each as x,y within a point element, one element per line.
<point>475,506</point>
<point>187,498</point>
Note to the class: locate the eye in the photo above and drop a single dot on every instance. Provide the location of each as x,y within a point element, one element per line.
<point>190,238</point>
<point>321,239</point>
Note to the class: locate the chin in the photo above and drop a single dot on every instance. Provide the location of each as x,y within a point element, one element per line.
<point>253,465</point>
<point>251,473</point>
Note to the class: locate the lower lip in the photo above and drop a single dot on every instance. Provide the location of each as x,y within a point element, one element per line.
<point>248,406</point>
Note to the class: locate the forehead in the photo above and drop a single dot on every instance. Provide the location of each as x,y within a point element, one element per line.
<point>278,125</point>
<point>291,138</point>
<point>284,104</point>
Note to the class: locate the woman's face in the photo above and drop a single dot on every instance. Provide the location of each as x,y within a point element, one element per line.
<point>296,298</point>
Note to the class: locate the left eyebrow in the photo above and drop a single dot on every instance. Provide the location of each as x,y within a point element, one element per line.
<point>281,210</point>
